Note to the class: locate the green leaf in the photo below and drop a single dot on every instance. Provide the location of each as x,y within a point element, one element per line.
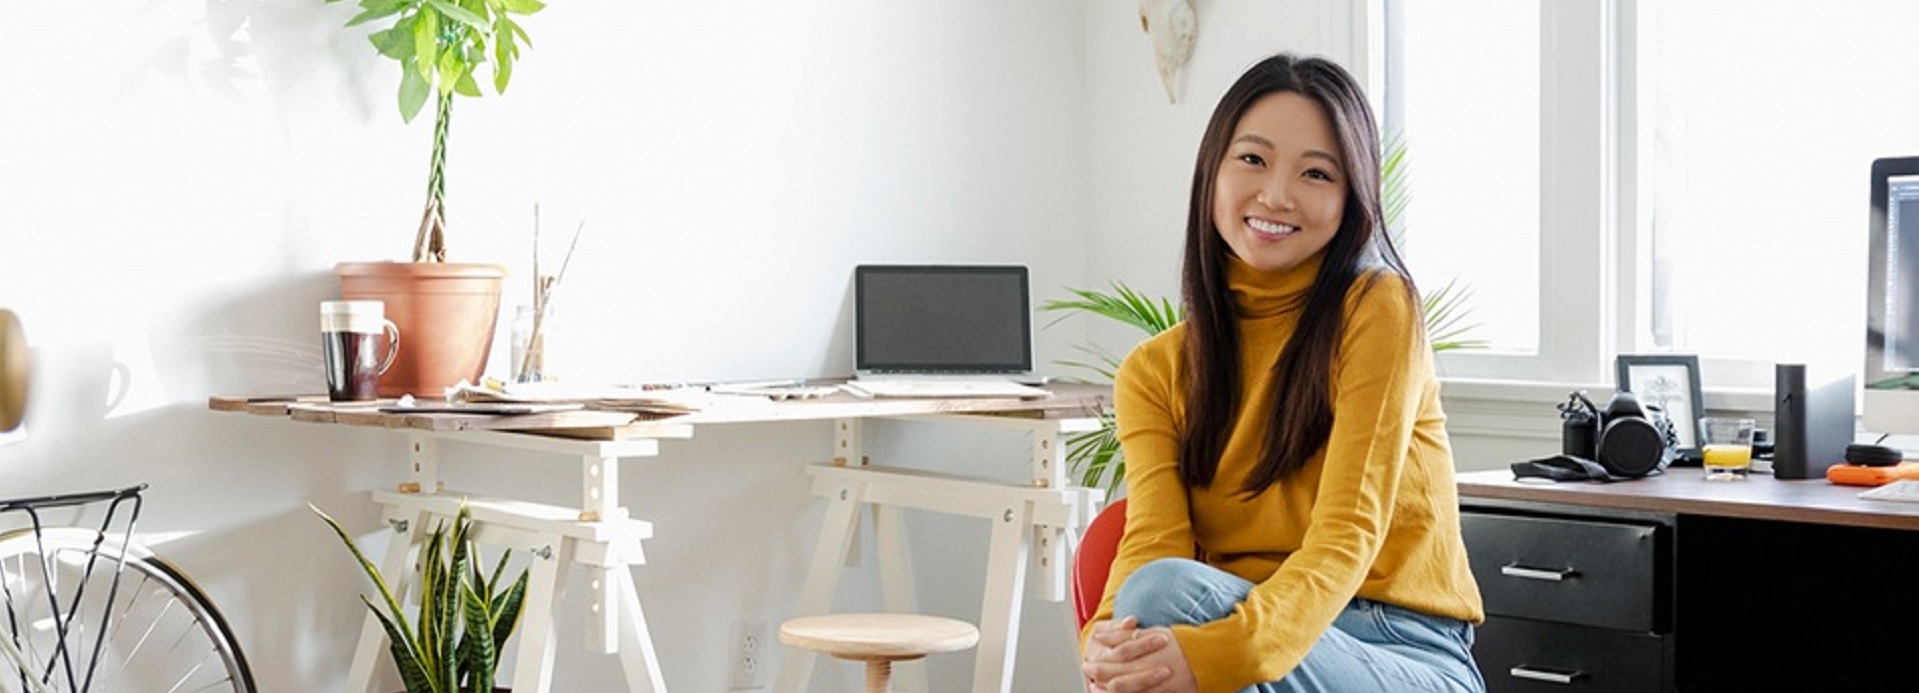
<point>1124,305</point>
<point>395,42</point>
<point>507,608</point>
<point>413,91</point>
<point>426,42</point>
<point>457,75</point>
<point>502,64</point>
<point>1445,311</point>
<point>464,617</point>
<point>466,86</point>
<point>1395,191</point>
<point>375,13</point>
<point>523,6</point>
<point>455,13</point>
<point>413,671</point>
<point>1096,455</point>
<point>479,649</point>
<point>372,571</point>
<point>510,31</point>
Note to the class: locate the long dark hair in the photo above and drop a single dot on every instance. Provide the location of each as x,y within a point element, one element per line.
<point>1302,412</point>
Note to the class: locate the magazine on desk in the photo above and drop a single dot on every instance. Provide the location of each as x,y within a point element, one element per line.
<point>653,402</point>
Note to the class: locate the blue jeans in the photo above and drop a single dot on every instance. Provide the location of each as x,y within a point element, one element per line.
<point>1372,646</point>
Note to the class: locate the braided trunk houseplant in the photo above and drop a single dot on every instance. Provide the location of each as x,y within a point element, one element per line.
<point>446,311</point>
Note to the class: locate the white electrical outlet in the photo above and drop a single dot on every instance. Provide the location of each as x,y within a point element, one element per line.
<point>750,647</point>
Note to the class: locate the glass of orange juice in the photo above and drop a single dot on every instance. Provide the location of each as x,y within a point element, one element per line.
<point>1728,447</point>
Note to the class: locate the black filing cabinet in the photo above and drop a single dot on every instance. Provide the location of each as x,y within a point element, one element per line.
<point>1573,602</point>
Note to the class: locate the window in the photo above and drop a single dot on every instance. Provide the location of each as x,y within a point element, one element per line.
<point>1648,176</point>
<point>1504,108</point>
<point>1764,121</point>
<point>1461,161</point>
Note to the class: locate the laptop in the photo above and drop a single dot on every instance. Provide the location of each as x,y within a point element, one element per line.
<point>943,331</point>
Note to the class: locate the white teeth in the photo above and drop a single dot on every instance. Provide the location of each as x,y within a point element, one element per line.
<point>1270,227</point>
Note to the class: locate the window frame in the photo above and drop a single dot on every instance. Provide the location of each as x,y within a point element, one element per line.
<point>1594,256</point>
<point>1580,162</point>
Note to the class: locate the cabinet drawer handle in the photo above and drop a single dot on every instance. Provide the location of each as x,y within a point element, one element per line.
<point>1521,672</point>
<point>1520,571</point>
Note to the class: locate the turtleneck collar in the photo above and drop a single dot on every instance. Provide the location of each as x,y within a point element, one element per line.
<point>1259,293</point>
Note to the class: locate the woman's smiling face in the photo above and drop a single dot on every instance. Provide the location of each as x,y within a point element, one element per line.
<point>1281,190</point>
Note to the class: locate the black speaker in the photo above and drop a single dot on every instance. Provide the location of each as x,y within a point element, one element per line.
<point>1812,422</point>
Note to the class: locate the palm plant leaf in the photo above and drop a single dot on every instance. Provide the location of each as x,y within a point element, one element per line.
<point>1096,452</point>
<point>1394,188</point>
<point>1445,312</point>
<point>1094,456</point>
<point>1123,304</point>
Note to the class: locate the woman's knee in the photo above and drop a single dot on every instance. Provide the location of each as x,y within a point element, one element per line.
<point>1172,591</point>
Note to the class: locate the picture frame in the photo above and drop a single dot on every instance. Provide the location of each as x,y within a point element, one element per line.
<point>1671,382</point>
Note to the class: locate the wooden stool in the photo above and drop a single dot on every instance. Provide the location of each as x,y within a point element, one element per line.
<point>879,639</point>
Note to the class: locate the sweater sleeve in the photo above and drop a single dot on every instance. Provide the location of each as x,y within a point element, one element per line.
<point>1157,521</point>
<point>1376,383</point>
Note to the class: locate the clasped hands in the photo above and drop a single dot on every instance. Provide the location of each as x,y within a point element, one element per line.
<point>1122,657</point>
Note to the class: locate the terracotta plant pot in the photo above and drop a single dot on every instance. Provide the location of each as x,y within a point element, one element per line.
<point>446,312</point>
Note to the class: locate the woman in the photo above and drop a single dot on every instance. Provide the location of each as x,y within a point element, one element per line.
<point>1292,523</point>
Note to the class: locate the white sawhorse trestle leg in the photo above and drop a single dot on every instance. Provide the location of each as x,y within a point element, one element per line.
<point>1039,522</point>
<point>598,536</point>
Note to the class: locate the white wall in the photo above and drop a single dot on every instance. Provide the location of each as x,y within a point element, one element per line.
<point>177,179</point>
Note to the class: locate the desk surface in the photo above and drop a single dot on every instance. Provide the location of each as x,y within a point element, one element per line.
<point>1069,400</point>
<point>1686,491</point>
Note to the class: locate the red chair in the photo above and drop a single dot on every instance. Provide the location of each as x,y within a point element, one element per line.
<point>1094,559</point>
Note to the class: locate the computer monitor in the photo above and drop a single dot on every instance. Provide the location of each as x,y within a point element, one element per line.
<point>1891,376</point>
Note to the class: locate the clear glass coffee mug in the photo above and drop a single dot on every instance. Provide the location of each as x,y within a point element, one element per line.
<point>349,336</point>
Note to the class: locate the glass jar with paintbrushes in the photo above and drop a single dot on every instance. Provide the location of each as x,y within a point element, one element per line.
<point>534,324</point>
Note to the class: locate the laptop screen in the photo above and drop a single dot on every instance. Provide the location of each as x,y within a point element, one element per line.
<point>942,319</point>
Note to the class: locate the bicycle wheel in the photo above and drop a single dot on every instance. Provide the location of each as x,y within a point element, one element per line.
<point>153,631</point>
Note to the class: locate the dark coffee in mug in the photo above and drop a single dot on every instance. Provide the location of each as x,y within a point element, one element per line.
<point>352,365</point>
<point>350,336</point>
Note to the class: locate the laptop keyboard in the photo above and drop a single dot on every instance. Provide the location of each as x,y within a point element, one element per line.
<point>944,388</point>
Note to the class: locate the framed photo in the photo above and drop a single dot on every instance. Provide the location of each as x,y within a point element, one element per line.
<point>1672,383</point>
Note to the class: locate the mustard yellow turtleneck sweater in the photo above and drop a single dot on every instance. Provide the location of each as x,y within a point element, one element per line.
<point>1374,513</point>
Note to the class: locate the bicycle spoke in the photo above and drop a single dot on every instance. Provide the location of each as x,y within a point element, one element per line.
<point>93,619</point>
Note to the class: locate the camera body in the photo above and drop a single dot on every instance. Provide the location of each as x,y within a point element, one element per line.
<point>1626,438</point>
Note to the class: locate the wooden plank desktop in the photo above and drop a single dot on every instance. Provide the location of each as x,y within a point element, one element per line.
<point>1069,400</point>
<point>1686,491</point>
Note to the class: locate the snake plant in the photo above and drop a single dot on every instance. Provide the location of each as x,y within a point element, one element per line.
<point>455,641</point>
